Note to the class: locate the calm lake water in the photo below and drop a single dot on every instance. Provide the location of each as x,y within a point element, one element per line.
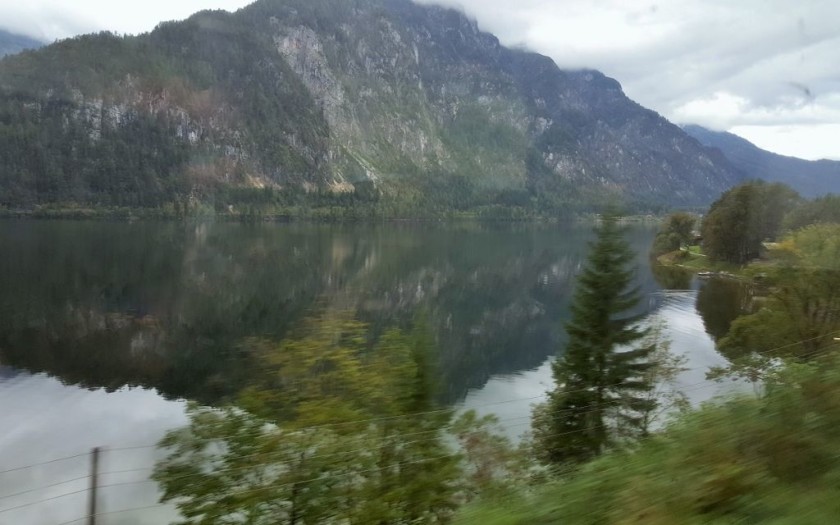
<point>107,328</point>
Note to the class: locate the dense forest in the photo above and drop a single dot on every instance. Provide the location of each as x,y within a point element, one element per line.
<point>63,148</point>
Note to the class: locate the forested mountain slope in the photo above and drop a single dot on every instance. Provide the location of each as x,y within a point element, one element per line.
<point>408,106</point>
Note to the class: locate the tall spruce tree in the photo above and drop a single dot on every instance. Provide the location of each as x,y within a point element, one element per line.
<point>600,378</point>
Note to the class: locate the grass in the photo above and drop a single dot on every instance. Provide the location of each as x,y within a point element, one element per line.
<point>692,258</point>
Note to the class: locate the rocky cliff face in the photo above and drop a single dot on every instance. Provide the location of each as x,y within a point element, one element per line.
<point>412,102</point>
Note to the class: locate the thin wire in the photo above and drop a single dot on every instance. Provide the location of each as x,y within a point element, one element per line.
<point>452,455</point>
<point>127,471</point>
<point>135,509</point>
<point>312,480</point>
<point>44,463</point>
<point>828,334</point>
<point>333,454</point>
<point>368,449</point>
<point>354,473</point>
<point>589,409</point>
<point>274,487</point>
<point>265,455</point>
<point>345,453</point>
<point>44,487</point>
<point>357,421</point>
<point>701,385</point>
<point>262,455</point>
<point>80,491</point>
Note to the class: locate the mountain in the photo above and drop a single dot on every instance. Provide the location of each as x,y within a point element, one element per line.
<point>11,43</point>
<point>809,178</point>
<point>409,109</point>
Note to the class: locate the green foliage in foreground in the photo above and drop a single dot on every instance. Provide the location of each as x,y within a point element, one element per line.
<point>771,460</point>
<point>339,429</point>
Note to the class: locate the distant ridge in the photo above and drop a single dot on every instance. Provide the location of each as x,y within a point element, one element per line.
<point>811,178</point>
<point>11,43</point>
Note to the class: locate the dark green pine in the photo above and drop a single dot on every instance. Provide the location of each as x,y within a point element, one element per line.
<point>600,374</point>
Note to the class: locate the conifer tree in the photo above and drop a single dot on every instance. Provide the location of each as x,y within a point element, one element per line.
<point>600,378</point>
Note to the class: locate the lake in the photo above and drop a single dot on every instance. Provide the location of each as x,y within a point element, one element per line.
<point>106,329</point>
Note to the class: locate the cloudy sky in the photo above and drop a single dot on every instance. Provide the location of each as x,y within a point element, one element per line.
<point>768,70</point>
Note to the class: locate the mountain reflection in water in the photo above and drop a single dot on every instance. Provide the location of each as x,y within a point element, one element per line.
<point>168,305</point>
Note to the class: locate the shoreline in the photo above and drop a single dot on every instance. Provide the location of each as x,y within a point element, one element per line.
<point>316,215</point>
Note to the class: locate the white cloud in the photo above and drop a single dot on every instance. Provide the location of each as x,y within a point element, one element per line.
<point>46,24</point>
<point>718,110</point>
<point>813,141</point>
<point>54,19</point>
<point>724,110</point>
